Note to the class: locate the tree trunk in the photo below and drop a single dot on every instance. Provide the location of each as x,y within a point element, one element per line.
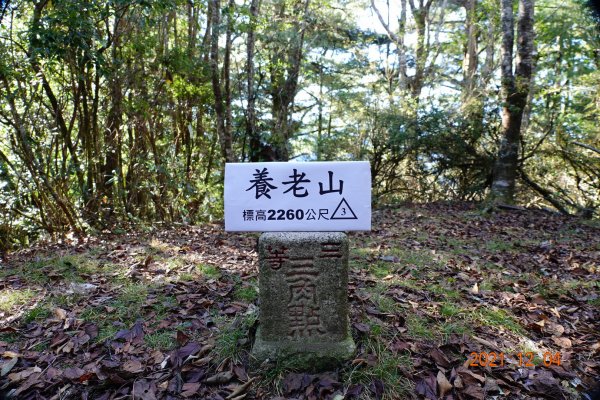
<point>515,89</point>
<point>251,132</point>
<point>284,85</point>
<point>112,133</point>
<point>222,128</point>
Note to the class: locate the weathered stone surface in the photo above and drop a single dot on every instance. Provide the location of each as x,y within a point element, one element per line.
<point>303,299</point>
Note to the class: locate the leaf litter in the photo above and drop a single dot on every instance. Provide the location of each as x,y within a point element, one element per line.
<point>159,315</point>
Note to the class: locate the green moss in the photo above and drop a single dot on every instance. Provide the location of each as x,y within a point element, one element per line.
<point>208,271</point>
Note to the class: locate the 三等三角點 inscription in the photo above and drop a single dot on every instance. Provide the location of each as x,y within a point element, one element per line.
<point>313,196</point>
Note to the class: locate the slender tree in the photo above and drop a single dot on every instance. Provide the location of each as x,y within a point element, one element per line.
<point>515,89</point>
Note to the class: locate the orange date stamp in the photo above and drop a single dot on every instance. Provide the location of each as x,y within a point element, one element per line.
<point>521,359</point>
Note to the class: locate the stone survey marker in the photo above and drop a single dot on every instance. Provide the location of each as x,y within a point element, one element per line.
<point>303,287</point>
<point>303,261</point>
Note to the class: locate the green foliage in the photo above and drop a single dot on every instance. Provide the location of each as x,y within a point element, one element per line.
<point>108,110</point>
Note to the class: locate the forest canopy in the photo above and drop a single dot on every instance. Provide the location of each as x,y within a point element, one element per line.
<point>128,110</point>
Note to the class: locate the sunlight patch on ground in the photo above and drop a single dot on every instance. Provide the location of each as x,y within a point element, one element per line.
<point>12,298</point>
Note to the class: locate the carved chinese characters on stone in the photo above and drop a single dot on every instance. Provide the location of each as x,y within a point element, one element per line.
<point>303,309</point>
<point>276,256</point>
<point>303,296</point>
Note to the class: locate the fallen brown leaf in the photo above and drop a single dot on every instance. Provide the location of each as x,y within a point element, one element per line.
<point>444,385</point>
<point>221,377</point>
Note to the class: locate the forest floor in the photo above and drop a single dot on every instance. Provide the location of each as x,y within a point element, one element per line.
<point>434,290</point>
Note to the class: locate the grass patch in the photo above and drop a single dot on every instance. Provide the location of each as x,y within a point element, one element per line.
<point>554,288</point>
<point>443,291</point>
<point>39,312</point>
<point>418,258</point>
<point>126,308</point>
<point>9,337</point>
<point>409,283</point>
<point>384,303</point>
<point>449,310</point>
<point>496,317</point>
<point>186,277</point>
<point>156,246</point>
<point>382,269</point>
<point>232,333</point>
<point>499,245</point>
<point>361,252</point>
<point>419,327</point>
<point>71,268</point>
<point>161,340</point>
<point>457,327</point>
<point>106,331</point>
<point>11,298</point>
<point>208,271</point>
<point>246,293</point>
<point>41,346</point>
<point>163,306</point>
<point>594,302</point>
<point>387,369</point>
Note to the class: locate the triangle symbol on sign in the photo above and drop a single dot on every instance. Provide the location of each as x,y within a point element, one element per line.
<point>343,211</point>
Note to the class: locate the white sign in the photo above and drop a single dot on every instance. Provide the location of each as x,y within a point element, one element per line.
<point>294,196</point>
